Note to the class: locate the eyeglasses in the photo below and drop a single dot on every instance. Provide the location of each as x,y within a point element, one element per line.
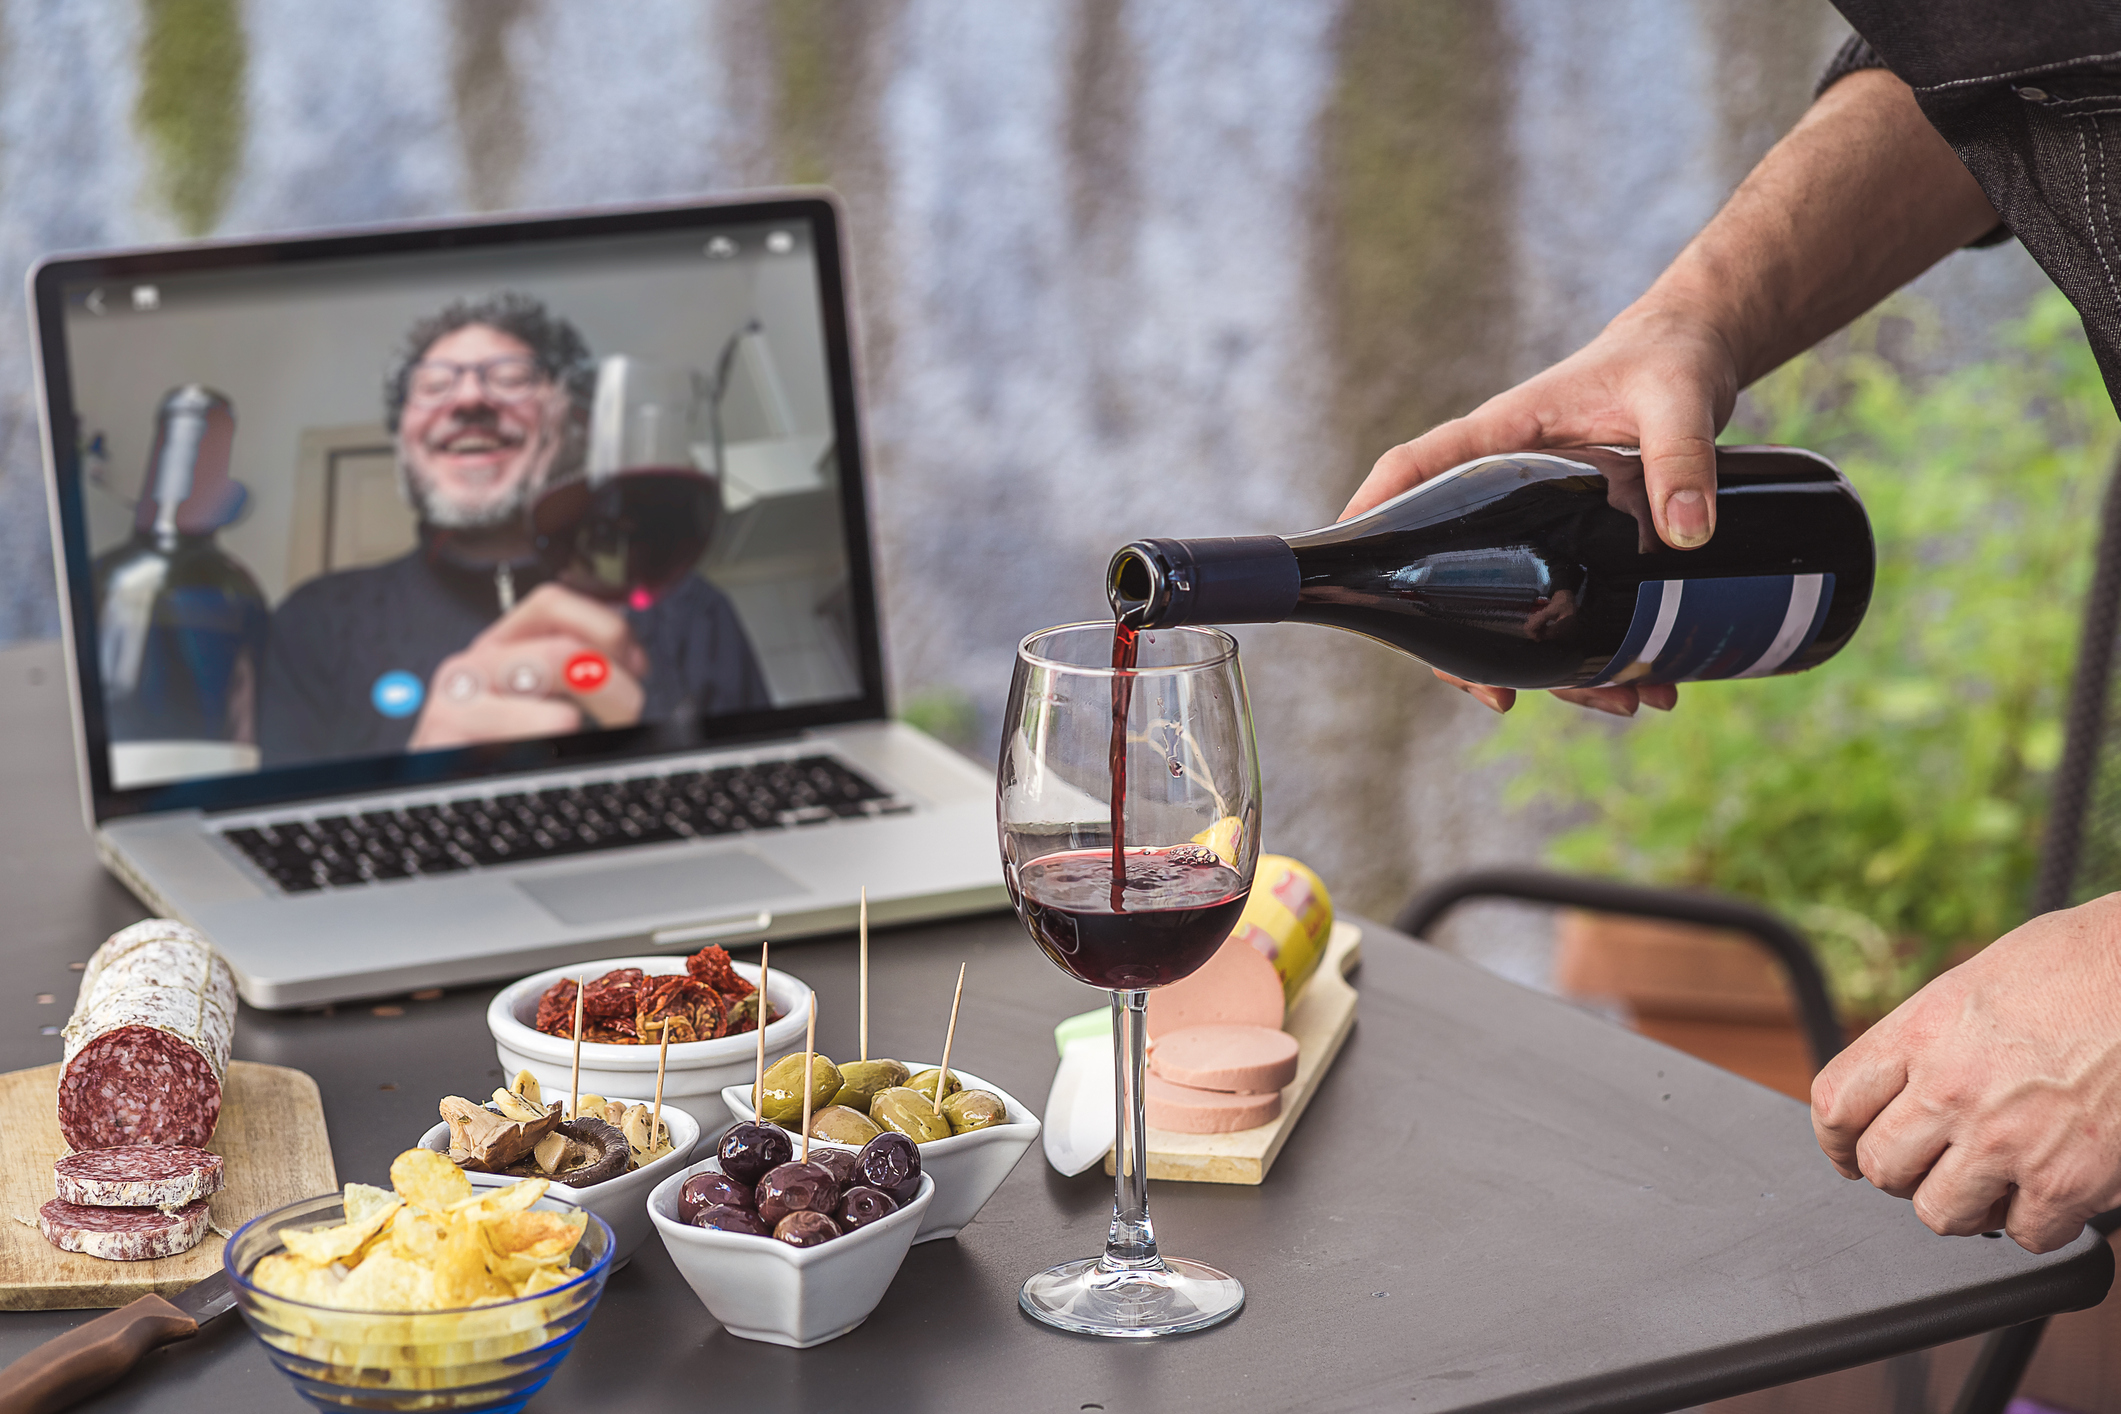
<point>507,379</point>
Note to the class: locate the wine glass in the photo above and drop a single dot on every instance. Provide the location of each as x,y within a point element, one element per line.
<point>1128,804</point>
<point>639,517</point>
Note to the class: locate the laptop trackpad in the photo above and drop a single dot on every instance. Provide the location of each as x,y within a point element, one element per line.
<point>696,887</point>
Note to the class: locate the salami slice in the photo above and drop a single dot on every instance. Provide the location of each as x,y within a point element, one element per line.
<point>147,1047</point>
<point>122,1234</point>
<point>138,1176</point>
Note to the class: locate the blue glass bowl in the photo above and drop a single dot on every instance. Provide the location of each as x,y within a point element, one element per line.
<point>487,1358</point>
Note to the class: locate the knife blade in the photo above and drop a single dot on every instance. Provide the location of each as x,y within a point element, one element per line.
<point>1078,1119</point>
<point>69,1368</point>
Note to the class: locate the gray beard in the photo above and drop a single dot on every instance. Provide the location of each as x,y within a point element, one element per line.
<point>447,515</point>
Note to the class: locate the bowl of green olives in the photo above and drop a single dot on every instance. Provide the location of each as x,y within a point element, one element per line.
<point>968,1146</point>
<point>783,1282</point>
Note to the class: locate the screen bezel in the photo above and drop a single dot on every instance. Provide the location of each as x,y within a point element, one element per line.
<point>281,785</point>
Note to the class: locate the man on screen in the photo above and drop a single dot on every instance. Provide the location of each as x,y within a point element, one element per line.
<point>464,639</point>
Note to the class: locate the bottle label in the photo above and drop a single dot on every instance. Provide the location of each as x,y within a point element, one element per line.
<point>1691,630</point>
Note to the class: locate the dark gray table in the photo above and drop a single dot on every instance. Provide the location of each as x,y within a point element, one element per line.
<point>1495,1202</point>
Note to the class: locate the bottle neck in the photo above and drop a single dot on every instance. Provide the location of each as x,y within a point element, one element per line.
<point>1244,579</point>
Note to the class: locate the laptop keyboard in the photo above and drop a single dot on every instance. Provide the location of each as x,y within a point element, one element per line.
<point>336,851</point>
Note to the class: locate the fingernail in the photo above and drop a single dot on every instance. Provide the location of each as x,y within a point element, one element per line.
<point>1686,518</point>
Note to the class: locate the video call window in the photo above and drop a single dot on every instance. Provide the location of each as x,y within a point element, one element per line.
<point>350,509</point>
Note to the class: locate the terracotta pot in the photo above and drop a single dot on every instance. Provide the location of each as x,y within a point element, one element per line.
<point>1713,994</point>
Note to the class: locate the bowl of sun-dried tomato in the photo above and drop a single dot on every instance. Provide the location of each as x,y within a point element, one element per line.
<point>708,1003</point>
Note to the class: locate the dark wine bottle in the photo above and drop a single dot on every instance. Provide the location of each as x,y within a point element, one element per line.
<point>1543,569</point>
<point>180,624</point>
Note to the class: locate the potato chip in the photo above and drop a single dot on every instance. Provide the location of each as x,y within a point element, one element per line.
<point>342,1242</point>
<point>428,1180</point>
<point>546,1278</point>
<point>460,1274</point>
<point>387,1282</point>
<point>289,1276</point>
<point>418,1235</point>
<point>363,1199</point>
<point>536,1234</point>
<point>493,1202</point>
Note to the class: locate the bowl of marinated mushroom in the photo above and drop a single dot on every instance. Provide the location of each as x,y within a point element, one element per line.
<point>609,1153</point>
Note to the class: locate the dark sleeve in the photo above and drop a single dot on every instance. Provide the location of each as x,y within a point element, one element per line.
<point>700,659</point>
<point>1855,55</point>
<point>300,689</point>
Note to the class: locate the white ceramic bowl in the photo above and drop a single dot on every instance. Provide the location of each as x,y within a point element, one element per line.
<point>967,1168</point>
<point>698,1070</point>
<point>622,1201</point>
<point>763,1289</point>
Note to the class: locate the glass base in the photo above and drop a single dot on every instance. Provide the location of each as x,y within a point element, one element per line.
<point>1168,1299</point>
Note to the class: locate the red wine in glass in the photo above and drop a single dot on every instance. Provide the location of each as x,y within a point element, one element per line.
<point>628,537</point>
<point>1125,644</point>
<point>1180,904</point>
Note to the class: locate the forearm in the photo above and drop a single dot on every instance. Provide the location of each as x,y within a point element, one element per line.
<point>1859,198</point>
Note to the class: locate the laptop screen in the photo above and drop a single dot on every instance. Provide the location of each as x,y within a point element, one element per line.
<point>411,505</point>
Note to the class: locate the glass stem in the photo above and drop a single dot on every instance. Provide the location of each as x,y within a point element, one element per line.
<point>1132,1243</point>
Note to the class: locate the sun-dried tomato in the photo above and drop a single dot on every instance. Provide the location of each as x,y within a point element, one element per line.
<point>615,994</point>
<point>711,965</point>
<point>556,1009</point>
<point>693,1010</point>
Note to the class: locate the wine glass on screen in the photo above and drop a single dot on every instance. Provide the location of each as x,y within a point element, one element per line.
<point>1128,803</point>
<point>641,514</point>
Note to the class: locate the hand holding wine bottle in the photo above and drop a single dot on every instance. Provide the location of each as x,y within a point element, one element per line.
<point>1660,379</point>
<point>555,662</point>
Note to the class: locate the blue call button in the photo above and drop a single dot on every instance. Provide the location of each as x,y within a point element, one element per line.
<point>397,693</point>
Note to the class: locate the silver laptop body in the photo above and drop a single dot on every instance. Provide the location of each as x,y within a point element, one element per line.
<point>229,506</point>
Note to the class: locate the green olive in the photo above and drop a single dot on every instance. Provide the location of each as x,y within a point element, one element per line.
<point>860,1080</point>
<point>908,1111</point>
<point>924,1081</point>
<point>974,1109</point>
<point>783,1101</point>
<point>841,1125</point>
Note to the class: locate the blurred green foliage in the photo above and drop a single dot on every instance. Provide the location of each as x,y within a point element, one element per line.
<point>190,105</point>
<point>1890,801</point>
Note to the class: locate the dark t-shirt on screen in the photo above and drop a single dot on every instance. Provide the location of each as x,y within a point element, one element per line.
<point>336,636</point>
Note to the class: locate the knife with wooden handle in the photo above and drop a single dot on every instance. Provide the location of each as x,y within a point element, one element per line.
<point>69,1368</point>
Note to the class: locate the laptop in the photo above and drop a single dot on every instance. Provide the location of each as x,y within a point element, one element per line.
<point>448,602</point>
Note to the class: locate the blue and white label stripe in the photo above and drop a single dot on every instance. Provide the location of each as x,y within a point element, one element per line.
<point>1743,627</point>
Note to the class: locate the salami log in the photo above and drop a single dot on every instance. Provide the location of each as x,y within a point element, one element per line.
<point>122,1234</point>
<point>147,1047</point>
<point>138,1176</point>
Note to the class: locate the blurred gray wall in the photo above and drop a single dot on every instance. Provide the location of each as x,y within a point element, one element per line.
<point>1123,266</point>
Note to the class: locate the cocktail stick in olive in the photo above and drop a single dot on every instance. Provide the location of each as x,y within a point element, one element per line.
<point>910,1113</point>
<point>783,1100</point>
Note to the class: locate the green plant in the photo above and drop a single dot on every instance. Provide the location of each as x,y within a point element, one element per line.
<point>1892,800</point>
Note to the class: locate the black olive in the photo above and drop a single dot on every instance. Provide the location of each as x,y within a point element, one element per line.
<point>705,1189</point>
<point>861,1206</point>
<point>837,1162</point>
<point>749,1149</point>
<point>794,1188</point>
<point>725,1217</point>
<point>806,1229</point>
<point>890,1162</point>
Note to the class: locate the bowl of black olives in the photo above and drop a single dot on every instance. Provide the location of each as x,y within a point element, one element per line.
<point>790,1251</point>
<point>968,1143</point>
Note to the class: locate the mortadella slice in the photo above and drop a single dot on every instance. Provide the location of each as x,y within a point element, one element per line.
<point>1240,1060</point>
<point>1185,1110</point>
<point>1236,987</point>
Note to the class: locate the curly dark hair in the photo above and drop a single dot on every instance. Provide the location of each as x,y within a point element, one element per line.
<point>562,354</point>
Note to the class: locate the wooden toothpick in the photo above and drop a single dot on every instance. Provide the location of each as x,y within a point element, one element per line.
<point>758,1088</point>
<point>574,1079</point>
<point>942,1073</point>
<point>662,1060</point>
<point>865,972</point>
<point>809,1064</point>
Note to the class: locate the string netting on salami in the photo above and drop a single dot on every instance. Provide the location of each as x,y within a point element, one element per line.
<point>147,1046</point>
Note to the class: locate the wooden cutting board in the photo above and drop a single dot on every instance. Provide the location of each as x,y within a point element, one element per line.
<point>1320,1021</point>
<point>271,1134</point>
